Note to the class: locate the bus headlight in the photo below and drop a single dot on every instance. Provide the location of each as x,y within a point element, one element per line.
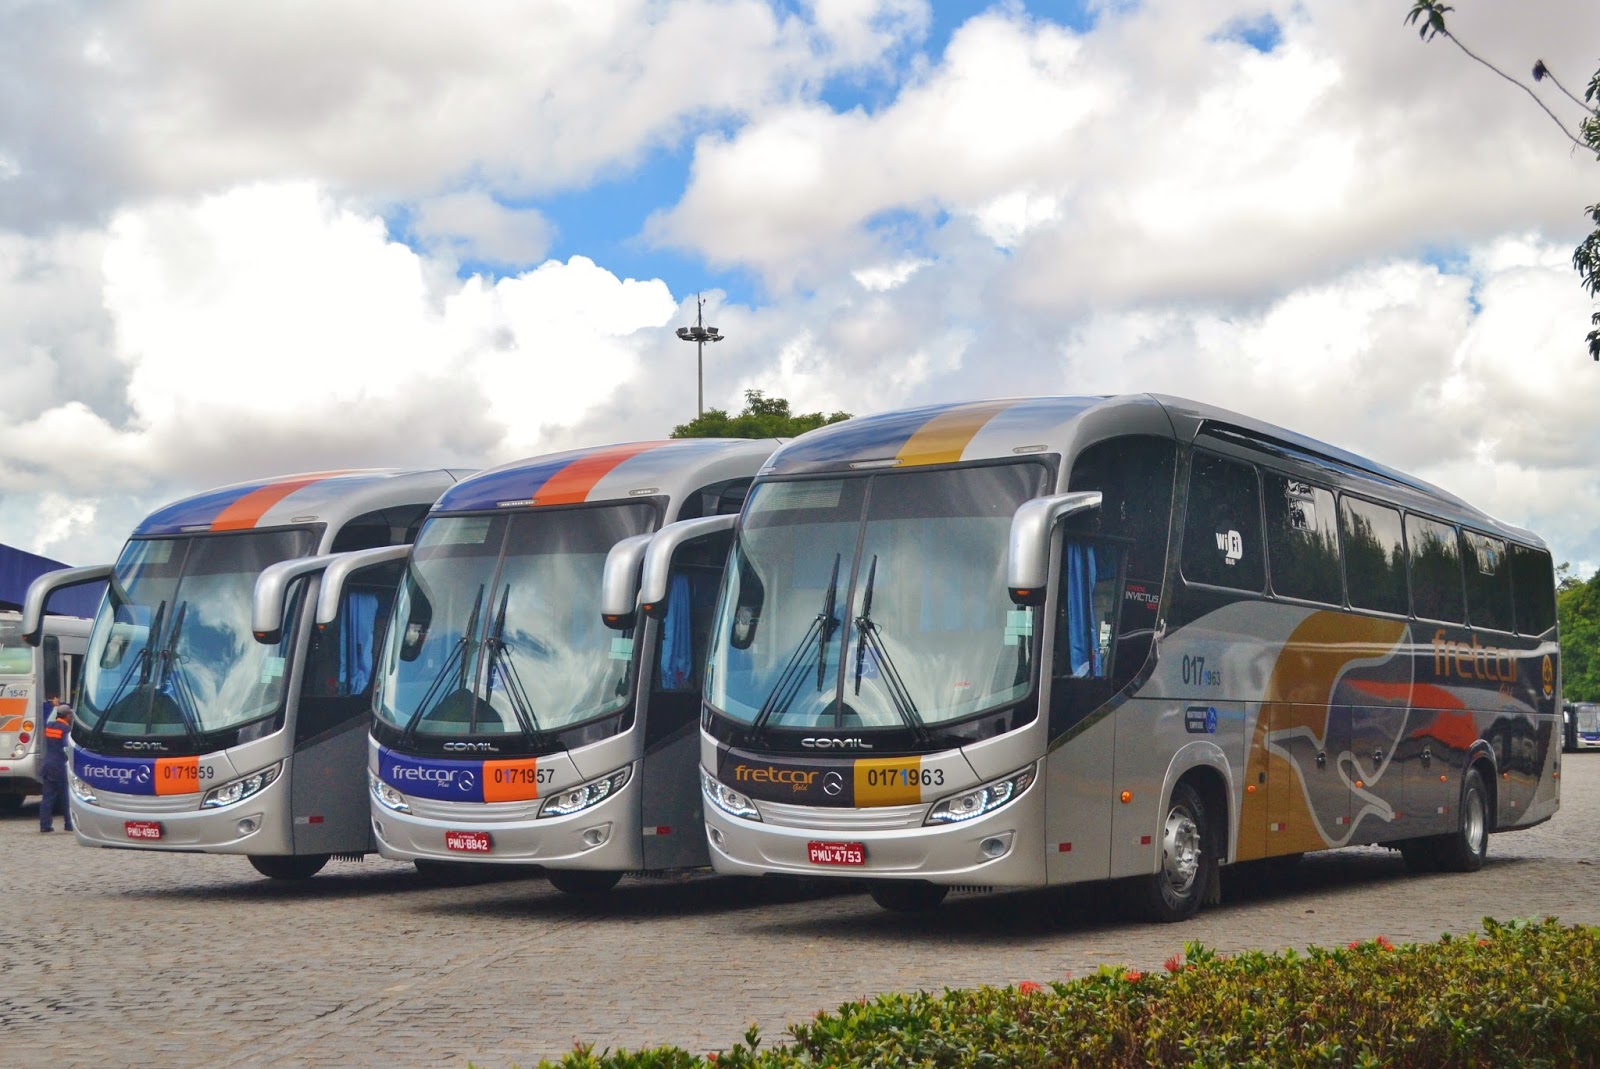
<point>386,795</point>
<point>241,788</point>
<point>726,798</point>
<point>577,799</point>
<point>980,800</point>
<point>80,790</point>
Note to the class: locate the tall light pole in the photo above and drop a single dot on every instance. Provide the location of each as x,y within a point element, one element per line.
<point>699,334</point>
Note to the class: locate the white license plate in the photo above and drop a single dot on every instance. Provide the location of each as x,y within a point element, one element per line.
<point>836,853</point>
<point>468,842</point>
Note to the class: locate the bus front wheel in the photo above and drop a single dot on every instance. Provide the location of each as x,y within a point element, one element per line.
<point>294,867</point>
<point>582,881</point>
<point>1174,891</point>
<point>908,896</point>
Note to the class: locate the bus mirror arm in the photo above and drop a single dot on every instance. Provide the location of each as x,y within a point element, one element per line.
<point>656,569</point>
<point>1028,556</point>
<point>339,571</point>
<point>271,590</point>
<point>39,591</point>
<point>619,582</point>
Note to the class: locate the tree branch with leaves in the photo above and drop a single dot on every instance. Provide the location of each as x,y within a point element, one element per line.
<point>1429,18</point>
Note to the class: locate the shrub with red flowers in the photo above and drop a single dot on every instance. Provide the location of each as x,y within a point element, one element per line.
<point>1522,993</point>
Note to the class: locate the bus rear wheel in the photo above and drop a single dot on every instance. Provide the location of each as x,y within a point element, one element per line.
<point>908,896</point>
<point>294,867</point>
<point>1464,849</point>
<point>1174,891</point>
<point>582,881</point>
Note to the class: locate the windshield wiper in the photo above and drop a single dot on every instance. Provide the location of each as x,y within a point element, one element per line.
<point>143,663</point>
<point>868,640</point>
<point>460,650</point>
<point>816,637</point>
<point>182,697</point>
<point>520,705</point>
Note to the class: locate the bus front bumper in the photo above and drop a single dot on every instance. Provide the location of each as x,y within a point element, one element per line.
<point>606,836</point>
<point>999,849</point>
<point>256,825</point>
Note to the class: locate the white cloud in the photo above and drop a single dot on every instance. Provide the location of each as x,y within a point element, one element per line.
<point>474,226</point>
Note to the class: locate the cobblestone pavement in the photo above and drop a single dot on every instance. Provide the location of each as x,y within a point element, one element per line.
<point>115,958</point>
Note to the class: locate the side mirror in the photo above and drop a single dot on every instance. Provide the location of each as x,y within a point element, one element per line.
<point>41,588</point>
<point>619,582</point>
<point>272,590</point>
<point>1028,556</point>
<point>656,570</point>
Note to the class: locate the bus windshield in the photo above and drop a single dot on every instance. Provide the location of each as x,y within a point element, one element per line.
<point>16,656</point>
<point>171,653</point>
<point>875,601</point>
<point>497,627</point>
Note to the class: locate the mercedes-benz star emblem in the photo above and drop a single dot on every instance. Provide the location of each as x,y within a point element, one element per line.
<point>832,784</point>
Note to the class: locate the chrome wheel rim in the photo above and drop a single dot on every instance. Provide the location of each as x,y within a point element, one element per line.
<point>1180,851</point>
<point>1474,821</point>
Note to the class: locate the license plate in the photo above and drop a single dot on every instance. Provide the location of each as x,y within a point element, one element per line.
<point>468,842</point>
<point>836,853</point>
<point>142,829</point>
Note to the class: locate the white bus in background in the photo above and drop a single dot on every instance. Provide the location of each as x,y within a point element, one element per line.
<point>29,675</point>
<point>512,724</point>
<point>192,735</point>
<point>1041,641</point>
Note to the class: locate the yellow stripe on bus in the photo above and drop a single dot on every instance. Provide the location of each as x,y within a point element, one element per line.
<point>943,438</point>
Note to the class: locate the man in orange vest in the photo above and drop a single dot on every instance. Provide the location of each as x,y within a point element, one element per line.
<point>54,773</point>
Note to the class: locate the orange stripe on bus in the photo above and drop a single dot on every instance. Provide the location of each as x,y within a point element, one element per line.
<point>177,775</point>
<point>514,780</point>
<point>11,723</point>
<point>572,483</point>
<point>248,510</point>
<point>943,438</point>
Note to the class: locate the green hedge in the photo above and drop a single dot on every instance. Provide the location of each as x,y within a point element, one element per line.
<point>1521,994</point>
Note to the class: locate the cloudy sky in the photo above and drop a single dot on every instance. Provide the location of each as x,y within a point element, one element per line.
<point>247,239</point>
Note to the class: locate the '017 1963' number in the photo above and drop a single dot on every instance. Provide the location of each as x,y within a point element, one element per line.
<point>905,777</point>
<point>1196,674</point>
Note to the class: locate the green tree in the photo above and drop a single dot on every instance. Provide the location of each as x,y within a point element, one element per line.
<point>763,417</point>
<point>1578,609</point>
<point>1429,18</point>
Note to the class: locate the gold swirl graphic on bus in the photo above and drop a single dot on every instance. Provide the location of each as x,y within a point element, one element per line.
<point>1297,812</point>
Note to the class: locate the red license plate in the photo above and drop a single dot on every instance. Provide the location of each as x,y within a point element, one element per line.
<point>468,842</point>
<point>836,853</point>
<point>142,829</point>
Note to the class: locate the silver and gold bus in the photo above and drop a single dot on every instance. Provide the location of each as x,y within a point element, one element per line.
<point>194,735</point>
<point>529,710</point>
<point>1041,641</point>
<point>28,676</point>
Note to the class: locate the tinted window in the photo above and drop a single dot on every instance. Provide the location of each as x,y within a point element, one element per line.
<point>1534,585</point>
<point>1435,569</point>
<point>1134,477</point>
<point>1374,555</point>
<point>1488,581</point>
<point>1303,540</point>
<point>1222,534</point>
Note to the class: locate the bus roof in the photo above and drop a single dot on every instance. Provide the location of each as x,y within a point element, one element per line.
<point>1007,427</point>
<point>672,468</point>
<point>330,497</point>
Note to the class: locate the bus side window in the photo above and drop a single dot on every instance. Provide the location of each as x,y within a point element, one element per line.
<point>1222,544</point>
<point>1303,540</point>
<point>1087,617</point>
<point>50,650</point>
<point>340,665</point>
<point>1533,590</point>
<point>1488,581</point>
<point>1435,554</point>
<point>1374,555</point>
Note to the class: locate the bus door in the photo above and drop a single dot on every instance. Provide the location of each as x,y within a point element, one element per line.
<point>673,821</point>
<point>329,803</point>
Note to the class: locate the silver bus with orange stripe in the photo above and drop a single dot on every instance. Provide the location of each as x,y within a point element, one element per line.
<point>1042,641</point>
<point>517,719</point>
<point>28,676</point>
<point>191,733</point>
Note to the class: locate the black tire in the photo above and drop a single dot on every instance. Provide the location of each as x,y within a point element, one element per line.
<point>1420,855</point>
<point>10,803</point>
<point>1464,849</point>
<point>1569,740</point>
<point>294,867</point>
<point>1188,863</point>
<point>908,896</point>
<point>582,881</point>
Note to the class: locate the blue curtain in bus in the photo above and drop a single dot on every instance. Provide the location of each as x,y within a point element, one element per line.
<point>355,644</point>
<point>1086,565</point>
<point>677,644</point>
